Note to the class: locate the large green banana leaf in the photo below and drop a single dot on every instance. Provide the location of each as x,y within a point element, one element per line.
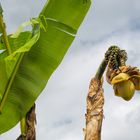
<point>35,56</point>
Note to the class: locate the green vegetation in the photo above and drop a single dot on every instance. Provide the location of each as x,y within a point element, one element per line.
<point>28,58</point>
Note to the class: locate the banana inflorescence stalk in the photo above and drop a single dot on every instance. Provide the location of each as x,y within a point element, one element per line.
<point>114,57</point>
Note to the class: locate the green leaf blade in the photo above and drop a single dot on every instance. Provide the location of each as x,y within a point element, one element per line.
<point>42,59</point>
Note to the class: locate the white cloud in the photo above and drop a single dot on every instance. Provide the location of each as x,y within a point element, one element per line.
<point>107,16</point>
<point>67,89</point>
<point>19,11</point>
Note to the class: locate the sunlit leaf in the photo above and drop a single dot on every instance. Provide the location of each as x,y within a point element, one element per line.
<point>58,25</point>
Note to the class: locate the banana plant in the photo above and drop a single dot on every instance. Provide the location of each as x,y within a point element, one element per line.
<point>28,58</point>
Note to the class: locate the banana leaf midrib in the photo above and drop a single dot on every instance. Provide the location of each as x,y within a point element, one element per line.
<point>10,81</point>
<point>12,76</point>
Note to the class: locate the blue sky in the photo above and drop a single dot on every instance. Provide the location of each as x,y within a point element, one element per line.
<point>62,105</point>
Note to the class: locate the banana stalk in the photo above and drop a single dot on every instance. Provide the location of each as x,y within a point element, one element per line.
<point>95,103</point>
<point>28,126</point>
<point>95,99</point>
<point>94,115</point>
